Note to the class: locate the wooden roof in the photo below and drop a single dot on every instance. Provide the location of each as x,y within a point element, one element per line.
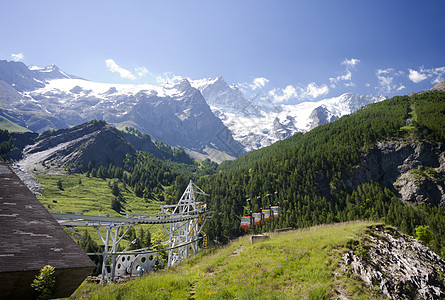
<point>31,238</point>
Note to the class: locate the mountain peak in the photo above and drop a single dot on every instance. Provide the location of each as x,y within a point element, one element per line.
<point>219,78</point>
<point>439,87</point>
<point>182,85</point>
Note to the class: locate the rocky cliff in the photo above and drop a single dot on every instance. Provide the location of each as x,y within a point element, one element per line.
<point>396,265</point>
<point>415,170</point>
<point>183,119</point>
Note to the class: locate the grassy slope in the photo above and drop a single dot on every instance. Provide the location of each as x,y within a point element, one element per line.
<point>92,196</point>
<point>5,124</point>
<point>293,265</point>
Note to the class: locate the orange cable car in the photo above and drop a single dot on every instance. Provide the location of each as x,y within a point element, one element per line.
<point>276,211</point>
<point>268,215</point>
<point>259,218</point>
<point>247,222</point>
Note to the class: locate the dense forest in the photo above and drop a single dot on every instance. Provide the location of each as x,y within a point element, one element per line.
<point>308,172</point>
<point>150,177</point>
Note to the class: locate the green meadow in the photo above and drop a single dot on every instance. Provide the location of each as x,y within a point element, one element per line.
<point>300,264</point>
<point>91,195</point>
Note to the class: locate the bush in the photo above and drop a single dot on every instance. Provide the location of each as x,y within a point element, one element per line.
<point>45,283</point>
<point>424,234</point>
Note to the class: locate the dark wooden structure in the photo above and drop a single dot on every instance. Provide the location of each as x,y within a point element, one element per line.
<point>31,238</point>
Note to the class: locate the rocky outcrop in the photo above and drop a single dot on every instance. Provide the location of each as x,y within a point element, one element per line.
<point>223,97</point>
<point>320,116</point>
<point>398,266</point>
<point>439,87</point>
<point>422,186</point>
<point>281,131</point>
<point>20,140</point>
<point>414,170</point>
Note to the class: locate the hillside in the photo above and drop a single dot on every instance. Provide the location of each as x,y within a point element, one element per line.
<point>317,263</point>
<point>6,124</point>
<point>386,161</point>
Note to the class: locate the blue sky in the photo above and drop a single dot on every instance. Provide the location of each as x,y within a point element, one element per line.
<point>291,50</point>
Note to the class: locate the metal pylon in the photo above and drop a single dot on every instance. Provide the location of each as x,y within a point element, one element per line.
<point>110,244</point>
<point>186,232</point>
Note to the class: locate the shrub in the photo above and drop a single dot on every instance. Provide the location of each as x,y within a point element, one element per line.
<point>45,283</point>
<point>424,234</point>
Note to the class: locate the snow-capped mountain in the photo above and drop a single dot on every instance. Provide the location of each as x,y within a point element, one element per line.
<point>176,114</point>
<point>23,78</point>
<point>200,115</point>
<point>259,125</point>
<point>223,98</point>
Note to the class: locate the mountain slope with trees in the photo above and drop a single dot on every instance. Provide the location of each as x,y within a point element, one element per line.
<point>322,176</point>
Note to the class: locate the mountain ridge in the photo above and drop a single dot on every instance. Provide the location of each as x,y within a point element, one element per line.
<point>258,125</point>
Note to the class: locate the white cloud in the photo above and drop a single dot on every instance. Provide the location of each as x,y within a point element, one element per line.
<point>17,56</point>
<point>351,62</point>
<point>259,82</point>
<point>416,77</point>
<point>438,74</point>
<point>384,71</point>
<point>284,95</point>
<point>124,73</point>
<point>350,66</point>
<point>345,77</point>
<point>142,71</point>
<point>311,91</point>
<point>315,91</point>
<point>113,67</point>
<point>386,80</point>
<point>435,74</point>
<point>168,77</point>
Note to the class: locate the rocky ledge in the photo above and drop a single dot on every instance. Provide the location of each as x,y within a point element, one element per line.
<point>396,265</point>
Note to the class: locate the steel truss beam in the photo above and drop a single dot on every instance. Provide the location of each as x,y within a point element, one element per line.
<point>185,232</point>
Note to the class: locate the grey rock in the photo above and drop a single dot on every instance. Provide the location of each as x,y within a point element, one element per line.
<point>398,266</point>
<point>220,94</point>
<point>439,87</point>
<point>414,170</point>
<point>320,116</point>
